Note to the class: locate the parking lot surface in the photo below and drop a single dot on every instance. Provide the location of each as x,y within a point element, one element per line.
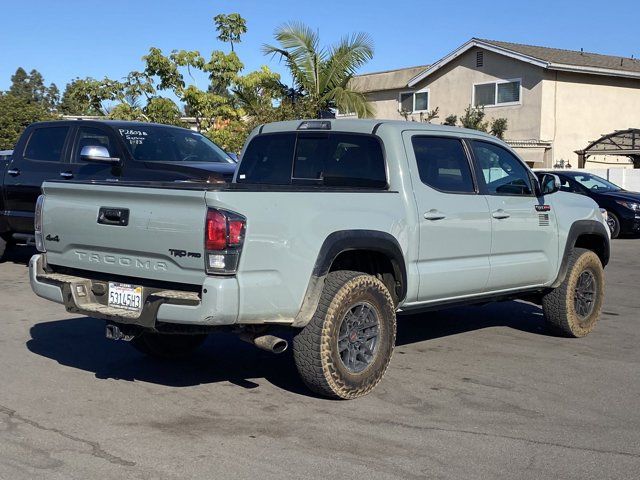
<point>474,392</point>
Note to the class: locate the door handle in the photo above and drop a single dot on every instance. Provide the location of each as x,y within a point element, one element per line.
<point>113,216</point>
<point>500,214</point>
<point>434,214</point>
<point>66,175</point>
<point>14,172</point>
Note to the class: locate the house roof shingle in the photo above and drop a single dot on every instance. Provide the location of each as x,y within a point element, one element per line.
<point>386,80</point>
<point>570,57</point>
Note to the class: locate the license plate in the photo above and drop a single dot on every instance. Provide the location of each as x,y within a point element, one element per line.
<point>125,296</point>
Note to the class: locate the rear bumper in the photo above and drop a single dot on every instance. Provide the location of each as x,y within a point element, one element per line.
<point>216,304</point>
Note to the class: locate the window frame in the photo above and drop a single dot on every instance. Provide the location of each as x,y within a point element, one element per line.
<point>405,92</point>
<point>484,190</point>
<point>467,154</point>
<point>495,93</point>
<point>63,152</point>
<point>422,90</point>
<point>413,100</point>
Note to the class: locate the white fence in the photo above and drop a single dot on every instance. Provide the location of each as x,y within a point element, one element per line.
<point>627,178</point>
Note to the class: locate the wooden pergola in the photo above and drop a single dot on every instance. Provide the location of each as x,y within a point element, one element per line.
<point>624,143</point>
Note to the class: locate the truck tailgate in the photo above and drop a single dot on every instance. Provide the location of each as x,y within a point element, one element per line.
<point>162,238</point>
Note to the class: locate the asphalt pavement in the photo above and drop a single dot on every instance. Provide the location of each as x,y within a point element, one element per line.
<point>474,392</point>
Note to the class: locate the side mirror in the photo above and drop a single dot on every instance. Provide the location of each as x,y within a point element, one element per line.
<point>97,153</point>
<point>549,183</point>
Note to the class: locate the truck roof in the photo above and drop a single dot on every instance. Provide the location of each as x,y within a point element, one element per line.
<point>368,126</point>
<point>108,122</point>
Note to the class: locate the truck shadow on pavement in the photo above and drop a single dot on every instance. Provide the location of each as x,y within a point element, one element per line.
<point>19,254</point>
<point>80,343</point>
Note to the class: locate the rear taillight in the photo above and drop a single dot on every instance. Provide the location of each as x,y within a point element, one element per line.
<point>224,236</point>
<point>37,224</point>
<point>216,238</point>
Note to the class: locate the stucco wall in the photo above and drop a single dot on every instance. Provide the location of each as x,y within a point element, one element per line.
<point>386,104</point>
<point>579,108</point>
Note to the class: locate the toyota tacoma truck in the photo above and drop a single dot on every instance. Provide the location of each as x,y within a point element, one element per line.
<point>109,150</point>
<point>329,228</point>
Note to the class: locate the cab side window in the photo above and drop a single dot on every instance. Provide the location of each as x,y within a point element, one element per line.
<point>567,185</point>
<point>46,144</point>
<point>93,137</point>
<point>502,172</point>
<point>443,164</point>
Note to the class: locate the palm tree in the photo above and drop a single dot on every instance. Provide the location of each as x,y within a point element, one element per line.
<point>323,73</point>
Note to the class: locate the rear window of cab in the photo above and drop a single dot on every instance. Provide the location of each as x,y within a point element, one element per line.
<point>331,159</point>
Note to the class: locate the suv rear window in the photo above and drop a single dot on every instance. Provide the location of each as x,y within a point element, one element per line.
<point>45,144</point>
<point>310,158</point>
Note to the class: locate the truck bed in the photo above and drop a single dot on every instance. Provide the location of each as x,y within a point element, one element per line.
<point>285,229</point>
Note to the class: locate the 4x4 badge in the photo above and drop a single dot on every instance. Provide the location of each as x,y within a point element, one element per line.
<point>49,238</point>
<point>543,208</point>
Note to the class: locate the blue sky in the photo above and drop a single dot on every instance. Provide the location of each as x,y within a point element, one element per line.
<point>71,38</point>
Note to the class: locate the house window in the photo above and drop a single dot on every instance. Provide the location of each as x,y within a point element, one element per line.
<point>479,58</point>
<point>421,101</point>
<point>498,93</point>
<point>485,94</point>
<point>508,92</point>
<point>413,102</point>
<point>406,102</point>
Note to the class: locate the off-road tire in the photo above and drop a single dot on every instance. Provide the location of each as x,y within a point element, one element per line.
<point>559,304</point>
<point>167,346</point>
<point>613,224</point>
<point>315,348</point>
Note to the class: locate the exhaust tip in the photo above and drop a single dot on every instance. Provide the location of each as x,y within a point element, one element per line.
<point>270,343</point>
<point>280,346</point>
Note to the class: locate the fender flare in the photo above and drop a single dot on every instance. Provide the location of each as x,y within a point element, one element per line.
<point>582,227</point>
<point>343,241</point>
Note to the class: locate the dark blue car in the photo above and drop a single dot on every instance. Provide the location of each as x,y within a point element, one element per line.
<point>622,206</point>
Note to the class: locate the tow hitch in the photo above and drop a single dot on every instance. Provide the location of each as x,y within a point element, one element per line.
<point>114,332</point>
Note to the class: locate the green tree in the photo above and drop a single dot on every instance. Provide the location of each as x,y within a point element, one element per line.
<point>20,84</point>
<point>31,87</point>
<point>230,27</point>
<point>128,110</point>
<point>16,113</point>
<point>474,118</point>
<point>498,127</point>
<point>451,120</point>
<point>431,115</point>
<point>322,74</point>
<point>207,106</point>
<point>86,96</point>
<point>163,110</point>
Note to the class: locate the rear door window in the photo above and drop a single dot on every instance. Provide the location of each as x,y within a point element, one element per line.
<point>443,164</point>
<point>310,158</point>
<point>46,144</point>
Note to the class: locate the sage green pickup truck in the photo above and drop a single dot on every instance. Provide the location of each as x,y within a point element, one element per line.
<point>329,228</point>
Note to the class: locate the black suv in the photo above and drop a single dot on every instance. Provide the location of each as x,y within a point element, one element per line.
<point>622,206</point>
